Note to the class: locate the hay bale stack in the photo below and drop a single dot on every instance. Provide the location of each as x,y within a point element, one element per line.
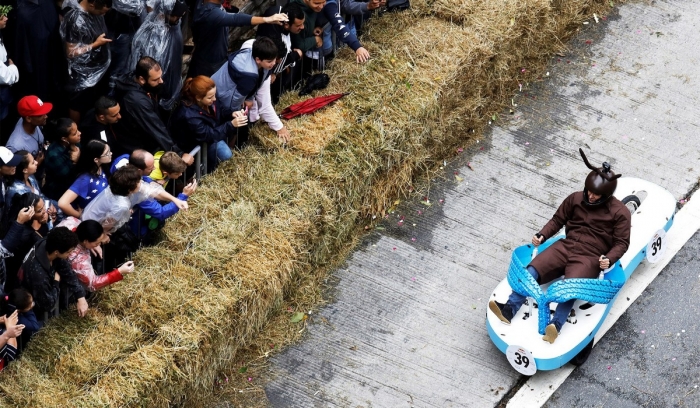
<point>271,220</point>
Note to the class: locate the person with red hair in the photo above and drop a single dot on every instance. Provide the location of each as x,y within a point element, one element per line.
<point>199,120</point>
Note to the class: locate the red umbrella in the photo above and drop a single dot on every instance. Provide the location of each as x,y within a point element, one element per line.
<point>309,106</point>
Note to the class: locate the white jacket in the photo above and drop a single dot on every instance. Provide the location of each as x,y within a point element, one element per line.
<point>8,73</point>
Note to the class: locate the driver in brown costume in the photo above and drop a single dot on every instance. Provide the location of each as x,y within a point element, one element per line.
<point>597,235</point>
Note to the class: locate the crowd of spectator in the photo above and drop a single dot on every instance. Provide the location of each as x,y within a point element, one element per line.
<point>97,125</point>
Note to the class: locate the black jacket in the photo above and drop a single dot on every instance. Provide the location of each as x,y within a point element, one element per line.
<point>37,276</point>
<point>140,126</point>
<point>275,33</point>
<point>191,126</point>
<point>23,238</point>
<point>10,244</point>
<point>91,129</point>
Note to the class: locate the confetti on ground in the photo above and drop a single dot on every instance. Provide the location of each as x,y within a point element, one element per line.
<point>413,239</point>
<point>470,166</point>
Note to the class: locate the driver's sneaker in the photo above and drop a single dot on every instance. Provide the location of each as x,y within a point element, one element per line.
<point>551,332</point>
<point>503,311</point>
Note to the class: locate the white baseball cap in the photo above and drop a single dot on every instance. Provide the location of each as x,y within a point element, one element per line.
<point>7,158</point>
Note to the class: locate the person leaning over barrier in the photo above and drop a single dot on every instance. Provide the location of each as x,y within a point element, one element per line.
<point>597,234</point>
<point>210,23</point>
<point>240,78</point>
<point>91,236</point>
<point>281,76</point>
<point>150,215</point>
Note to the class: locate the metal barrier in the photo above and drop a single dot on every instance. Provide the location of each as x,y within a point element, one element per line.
<point>200,165</point>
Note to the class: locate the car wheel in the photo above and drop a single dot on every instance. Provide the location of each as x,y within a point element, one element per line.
<point>582,356</point>
<point>632,203</point>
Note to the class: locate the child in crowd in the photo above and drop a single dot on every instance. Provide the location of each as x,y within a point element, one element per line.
<point>24,302</point>
<point>167,166</point>
<point>61,157</point>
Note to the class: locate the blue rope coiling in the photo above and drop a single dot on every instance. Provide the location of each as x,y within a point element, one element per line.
<point>590,290</point>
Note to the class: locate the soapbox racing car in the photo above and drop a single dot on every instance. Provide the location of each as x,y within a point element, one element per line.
<point>653,209</point>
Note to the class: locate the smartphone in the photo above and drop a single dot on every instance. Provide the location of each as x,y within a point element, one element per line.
<point>10,309</point>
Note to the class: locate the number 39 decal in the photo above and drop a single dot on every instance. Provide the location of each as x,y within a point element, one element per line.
<point>521,360</point>
<point>657,246</point>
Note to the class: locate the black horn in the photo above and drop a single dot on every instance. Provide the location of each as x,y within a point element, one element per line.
<point>597,170</point>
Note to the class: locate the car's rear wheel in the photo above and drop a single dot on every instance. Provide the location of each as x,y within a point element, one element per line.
<point>632,203</point>
<point>582,356</point>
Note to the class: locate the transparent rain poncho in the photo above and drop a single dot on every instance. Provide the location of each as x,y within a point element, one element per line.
<point>79,29</point>
<point>159,39</point>
<point>113,211</point>
<point>129,7</point>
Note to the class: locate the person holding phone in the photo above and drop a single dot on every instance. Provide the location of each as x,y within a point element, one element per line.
<point>199,119</point>
<point>28,233</point>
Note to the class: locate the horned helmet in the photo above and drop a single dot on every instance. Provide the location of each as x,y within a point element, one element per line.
<point>601,181</point>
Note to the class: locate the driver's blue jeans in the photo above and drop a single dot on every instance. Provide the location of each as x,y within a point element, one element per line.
<point>516,300</point>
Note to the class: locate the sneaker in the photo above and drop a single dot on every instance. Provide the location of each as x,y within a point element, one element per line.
<point>551,332</point>
<point>503,311</point>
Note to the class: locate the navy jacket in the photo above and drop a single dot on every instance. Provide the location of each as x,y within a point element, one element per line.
<point>210,23</point>
<point>191,125</point>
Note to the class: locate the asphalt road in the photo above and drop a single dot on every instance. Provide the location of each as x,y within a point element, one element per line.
<point>406,325</point>
<point>651,356</point>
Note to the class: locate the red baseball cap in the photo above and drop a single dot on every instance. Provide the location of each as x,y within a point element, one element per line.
<point>33,106</point>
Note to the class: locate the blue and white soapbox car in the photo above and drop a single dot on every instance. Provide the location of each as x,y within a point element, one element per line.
<point>653,209</point>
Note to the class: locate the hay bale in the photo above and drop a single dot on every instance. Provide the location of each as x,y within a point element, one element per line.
<point>268,222</point>
<point>140,379</point>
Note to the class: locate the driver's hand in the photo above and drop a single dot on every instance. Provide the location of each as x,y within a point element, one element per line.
<point>604,262</point>
<point>536,241</point>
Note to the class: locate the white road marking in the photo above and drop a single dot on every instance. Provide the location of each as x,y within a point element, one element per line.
<point>537,390</point>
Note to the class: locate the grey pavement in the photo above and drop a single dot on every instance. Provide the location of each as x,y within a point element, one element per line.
<point>406,326</point>
<point>650,357</point>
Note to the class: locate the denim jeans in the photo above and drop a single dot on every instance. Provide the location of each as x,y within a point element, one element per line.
<point>516,300</point>
<point>216,153</point>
